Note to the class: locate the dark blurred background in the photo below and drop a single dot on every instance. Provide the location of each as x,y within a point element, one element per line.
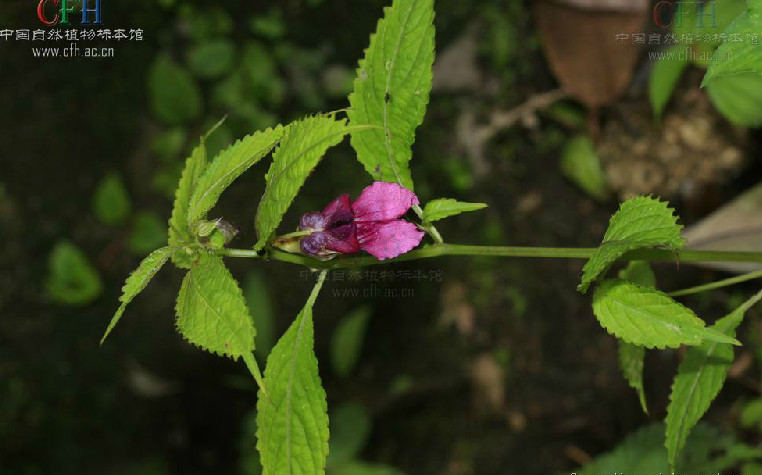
<point>483,366</point>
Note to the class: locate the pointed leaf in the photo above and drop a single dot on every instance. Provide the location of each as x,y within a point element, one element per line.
<point>735,57</point>
<point>261,308</point>
<point>292,420</point>
<point>665,74</point>
<point>111,203</point>
<point>304,144</point>
<point>137,281</point>
<point>72,279</point>
<point>582,165</point>
<point>392,89</point>
<point>211,310</point>
<point>641,222</point>
<point>631,363</point>
<point>649,318</point>
<point>227,166</point>
<point>699,379</point>
<point>631,356</point>
<point>347,341</point>
<point>179,230</point>
<point>446,207</point>
<point>174,96</point>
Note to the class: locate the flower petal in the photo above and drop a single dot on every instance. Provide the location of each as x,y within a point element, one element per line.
<point>387,239</point>
<point>314,244</point>
<point>338,211</point>
<point>383,201</point>
<point>342,239</point>
<point>312,220</point>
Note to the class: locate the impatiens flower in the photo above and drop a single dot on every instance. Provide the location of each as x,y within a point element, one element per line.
<point>369,224</point>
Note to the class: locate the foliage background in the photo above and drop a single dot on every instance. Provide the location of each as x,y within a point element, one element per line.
<point>499,368</point>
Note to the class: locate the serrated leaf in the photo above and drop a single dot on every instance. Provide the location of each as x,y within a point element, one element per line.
<point>735,57</point>
<point>631,357</point>
<point>446,207</point>
<point>699,379</point>
<point>647,317</point>
<point>641,222</point>
<point>228,166</point>
<point>665,74</point>
<point>392,89</point>
<point>211,311</point>
<point>292,420</point>
<point>137,281</point>
<point>304,144</point>
<point>111,203</point>
<point>179,230</point>
<point>347,341</point>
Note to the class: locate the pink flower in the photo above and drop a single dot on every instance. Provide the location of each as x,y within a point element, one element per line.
<point>369,224</point>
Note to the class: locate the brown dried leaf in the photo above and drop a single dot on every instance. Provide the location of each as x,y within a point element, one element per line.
<point>580,41</point>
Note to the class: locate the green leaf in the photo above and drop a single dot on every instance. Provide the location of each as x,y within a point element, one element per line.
<point>699,379</point>
<point>261,308</point>
<point>392,89</point>
<point>641,222</point>
<point>647,317</point>
<point>581,164</point>
<point>175,98</point>
<point>168,145</point>
<point>665,74</point>
<point>179,230</point>
<point>136,282</point>
<point>260,76</point>
<point>72,280</point>
<point>292,420</point>
<point>736,57</point>
<point>304,144</point>
<point>111,203</point>
<point>643,453</point>
<point>228,166</point>
<point>211,311</point>
<point>347,340</point>
<point>738,98</point>
<point>631,356</point>
<point>631,363</point>
<point>751,414</point>
<point>211,59</point>
<point>350,428</point>
<point>148,232</point>
<point>639,272</point>
<point>446,207</point>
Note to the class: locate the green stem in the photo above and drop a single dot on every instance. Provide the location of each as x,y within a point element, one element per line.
<point>439,250</point>
<point>717,285</point>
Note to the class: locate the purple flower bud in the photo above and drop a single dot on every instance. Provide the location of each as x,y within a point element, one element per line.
<point>370,224</point>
